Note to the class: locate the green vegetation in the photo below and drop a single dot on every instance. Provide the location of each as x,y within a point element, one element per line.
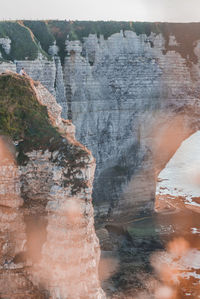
<point>23,119</point>
<point>41,31</point>
<point>185,34</point>
<point>77,30</point>
<point>23,44</point>
<point>144,227</point>
<point>80,29</point>
<point>26,35</point>
<point>142,232</point>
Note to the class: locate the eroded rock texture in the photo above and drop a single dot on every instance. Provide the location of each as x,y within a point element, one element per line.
<point>133,97</point>
<point>48,245</point>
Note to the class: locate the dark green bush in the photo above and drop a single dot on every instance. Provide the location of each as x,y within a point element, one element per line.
<point>23,44</point>
<point>41,31</point>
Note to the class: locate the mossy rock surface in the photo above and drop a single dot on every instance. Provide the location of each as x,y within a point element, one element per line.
<point>21,115</point>
<point>24,120</point>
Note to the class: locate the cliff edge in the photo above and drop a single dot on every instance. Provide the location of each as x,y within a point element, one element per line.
<point>48,245</point>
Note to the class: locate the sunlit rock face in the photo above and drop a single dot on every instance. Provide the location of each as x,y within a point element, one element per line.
<point>178,183</point>
<point>48,245</point>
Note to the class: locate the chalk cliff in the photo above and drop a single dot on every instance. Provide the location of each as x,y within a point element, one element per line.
<point>128,96</point>
<point>125,91</point>
<point>48,245</point>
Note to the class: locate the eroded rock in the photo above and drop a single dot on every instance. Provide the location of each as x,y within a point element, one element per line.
<point>49,248</point>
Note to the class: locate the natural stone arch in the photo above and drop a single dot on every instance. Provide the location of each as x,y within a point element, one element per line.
<point>162,134</point>
<point>172,133</point>
<point>178,183</point>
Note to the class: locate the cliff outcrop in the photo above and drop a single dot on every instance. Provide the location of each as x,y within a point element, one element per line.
<point>48,245</point>
<point>134,99</point>
<point>133,96</point>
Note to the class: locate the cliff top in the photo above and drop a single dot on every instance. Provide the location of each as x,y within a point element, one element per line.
<point>29,39</point>
<point>26,122</point>
<point>22,45</point>
<point>22,118</point>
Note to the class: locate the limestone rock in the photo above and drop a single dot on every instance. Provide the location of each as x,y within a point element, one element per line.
<point>120,93</point>
<point>40,70</point>
<point>53,50</point>
<point>48,244</point>
<point>7,66</point>
<point>6,44</point>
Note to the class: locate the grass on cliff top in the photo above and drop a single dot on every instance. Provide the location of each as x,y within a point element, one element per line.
<point>21,115</point>
<point>24,119</point>
<point>23,45</point>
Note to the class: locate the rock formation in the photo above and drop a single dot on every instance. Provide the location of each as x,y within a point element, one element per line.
<point>127,98</point>
<point>5,42</point>
<point>125,92</point>
<point>178,183</point>
<point>48,244</point>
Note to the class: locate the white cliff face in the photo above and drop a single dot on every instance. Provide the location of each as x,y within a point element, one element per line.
<point>40,70</point>
<point>121,93</point>
<point>72,248</point>
<point>48,72</point>
<point>6,44</point>
<point>53,50</point>
<point>13,234</point>
<point>48,243</point>
<point>7,66</point>
<point>69,255</point>
<point>59,83</point>
<point>178,183</point>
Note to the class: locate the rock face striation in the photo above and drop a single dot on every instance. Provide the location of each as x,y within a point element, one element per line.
<point>133,97</point>
<point>48,245</point>
<point>133,101</point>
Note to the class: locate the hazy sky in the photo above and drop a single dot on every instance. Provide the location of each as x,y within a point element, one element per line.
<point>134,10</point>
